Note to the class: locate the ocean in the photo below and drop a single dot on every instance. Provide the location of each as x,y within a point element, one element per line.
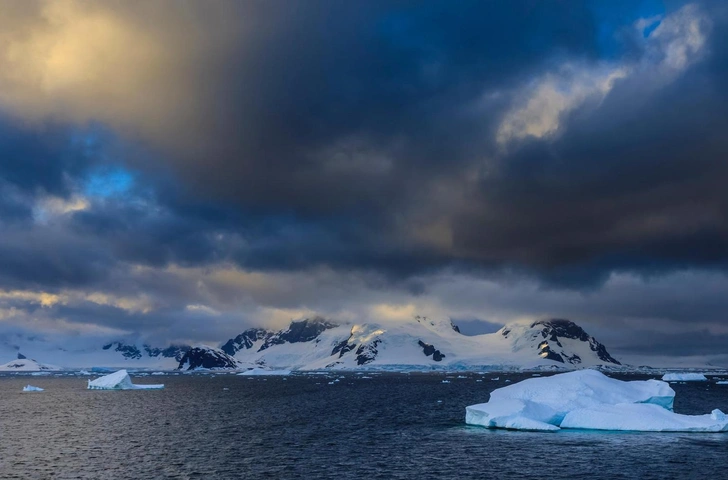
<point>338,426</point>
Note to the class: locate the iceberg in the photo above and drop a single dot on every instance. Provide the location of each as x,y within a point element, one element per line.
<point>118,381</point>
<point>262,371</point>
<point>588,399</point>
<point>31,388</point>
<point>684,377</point>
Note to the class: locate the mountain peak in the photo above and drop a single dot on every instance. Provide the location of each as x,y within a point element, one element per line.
<point>26,365</point>
<point>557,339</point>
<point>446,323</point>
<point>203,356</point>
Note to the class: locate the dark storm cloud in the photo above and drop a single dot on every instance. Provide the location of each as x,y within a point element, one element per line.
<point>638,184</point>
<point>350,141</point>
<point>347,108</point>
<point>385,140</point>
<point>363,136</point>
<point>685,344</point>
<point>37,158</point>
<point>37,257</point>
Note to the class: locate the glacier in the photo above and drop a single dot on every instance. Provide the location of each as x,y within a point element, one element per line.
<point>118,381</point>
<point>684,377</point>
<point>31,388</point>
<point>588,399</point>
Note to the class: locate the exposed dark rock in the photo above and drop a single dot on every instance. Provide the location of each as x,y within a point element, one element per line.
<point>555,329</point>
<point>245,340</point>
<point>130,352</point>
<point>545,351</point>
<point>431,350</point>
<point>302,331</point>
<point>173,351</point>
<point>343,348</point>
<point>367,353</point>
<point>205,357</point>
<point>21,356</point>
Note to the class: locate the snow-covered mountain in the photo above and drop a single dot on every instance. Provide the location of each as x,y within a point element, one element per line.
<point>422,343</point>
<point>134,352</point>
<point>317,343</point>
<point>22,364</point>
<point>85,353</point>
<point>203,356</point>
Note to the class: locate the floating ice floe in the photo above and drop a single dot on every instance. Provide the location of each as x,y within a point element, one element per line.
<point>31,388</point>
<point>118,381</point>
<point>722,382</point>
<point>588,399</point>
<point>262,371</point>
<point>684,377</point>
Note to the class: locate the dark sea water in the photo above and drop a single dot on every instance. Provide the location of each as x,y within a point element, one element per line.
<point>390,426</point>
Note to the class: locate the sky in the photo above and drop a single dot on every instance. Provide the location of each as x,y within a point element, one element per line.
<point>181,170</point>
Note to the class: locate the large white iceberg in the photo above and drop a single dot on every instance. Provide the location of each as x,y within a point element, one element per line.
<point>588,399</point>
<point>31,388</point>
<point>684,377</point>
<point>118,381</point>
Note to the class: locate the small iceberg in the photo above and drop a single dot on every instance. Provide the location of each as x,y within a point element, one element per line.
<point>118,381</point>
<point>588,399</point>
<point>31,388</point>
<point>262,371</point>
<point>684,377</point>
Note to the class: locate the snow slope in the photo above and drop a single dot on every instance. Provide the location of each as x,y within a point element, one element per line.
<point>316,343</point>
<point>87,352</point>
<point>27,365</point>
<point>421,344</point>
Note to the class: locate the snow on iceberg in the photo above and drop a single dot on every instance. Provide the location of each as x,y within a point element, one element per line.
<point>643,417</point>
<point>118,381</point>
<point>684,377</point>
<point>262,371</point>
<point>31,388</point>
<point>588,399</point>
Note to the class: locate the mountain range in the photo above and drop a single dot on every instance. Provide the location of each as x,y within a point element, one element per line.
<point>317,343</point>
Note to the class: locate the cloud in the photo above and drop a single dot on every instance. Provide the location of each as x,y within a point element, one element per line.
<point>256,162</point>
<point>48,207</point>
<point>553,96</point>
<point>676,42</point>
